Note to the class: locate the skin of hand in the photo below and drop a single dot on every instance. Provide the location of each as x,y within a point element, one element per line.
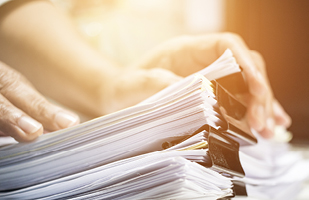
<point>64,67</point>
<point>22,108</point>
<point>188,54</point>
<point>41,43</point>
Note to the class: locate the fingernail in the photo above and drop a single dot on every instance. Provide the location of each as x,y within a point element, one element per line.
<point>65,120</point>
<point>259,114</point>
<point>29,125</point>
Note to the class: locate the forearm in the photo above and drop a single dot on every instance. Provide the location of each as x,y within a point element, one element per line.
<point>42,44</point>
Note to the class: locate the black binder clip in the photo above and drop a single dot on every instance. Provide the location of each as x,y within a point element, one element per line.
<point>233,113</point>
<point>224,153</point>
<point>239,188</point>
<point>230,132</point>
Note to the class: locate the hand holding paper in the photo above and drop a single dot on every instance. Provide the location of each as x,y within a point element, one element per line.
<point>189,54</point>
<point>24,111</point>
<point>124,155</point>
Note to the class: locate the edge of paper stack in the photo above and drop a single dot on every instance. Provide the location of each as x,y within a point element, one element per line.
<point>122,155</point>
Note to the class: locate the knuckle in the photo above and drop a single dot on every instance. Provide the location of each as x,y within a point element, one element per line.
<point>258,60</point>
<point>8,114</point>
<point>257,55</point>
<point>8,120</point>
<point>230,35</point>
<point>39,107</point>
<point>3,109</point>
<point>9,78</point>
<point>231,38</point>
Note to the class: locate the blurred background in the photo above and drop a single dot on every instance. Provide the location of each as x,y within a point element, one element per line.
<point>279,29</point>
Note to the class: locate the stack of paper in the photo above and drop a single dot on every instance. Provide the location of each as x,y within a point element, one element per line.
<point>156,175</point>
<point>182,142</point>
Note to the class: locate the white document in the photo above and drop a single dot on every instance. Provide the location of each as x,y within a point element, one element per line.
<point>121,155</point>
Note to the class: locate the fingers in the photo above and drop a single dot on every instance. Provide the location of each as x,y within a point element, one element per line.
<point>253,67</point>
<point>25,111</point>
<point>264,112</point>
<point>31,102</point>
<point>262,121</point>
<point>256,81</point>
<point>260,116</point>
<point>274,113</point>
<point>281,117</point>
<point>15,123</point>
<point>186,55</point>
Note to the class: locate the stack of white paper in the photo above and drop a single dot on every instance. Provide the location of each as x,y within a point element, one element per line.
<point>154,175</point>
<point>121,155</point>
<point>130,132</point>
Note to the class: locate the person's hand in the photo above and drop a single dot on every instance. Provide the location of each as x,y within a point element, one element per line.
<point>189,54</point>
<point>24,112</point>
<point>130,87</point>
